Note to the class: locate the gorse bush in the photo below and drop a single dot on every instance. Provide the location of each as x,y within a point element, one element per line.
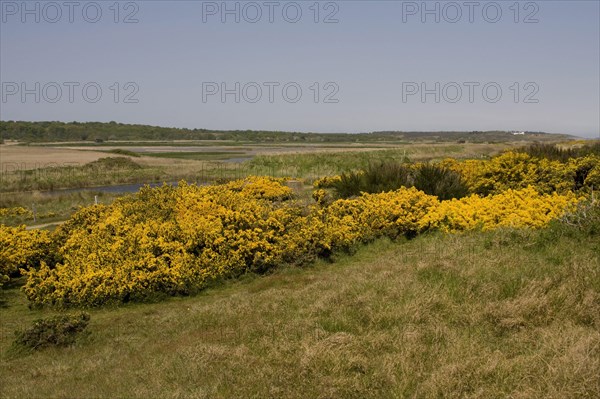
<point>14,215</point>
<point>172,241</point>
<point>176,240</point>
<point>512,208</point>
<point>585,172</point>
<point>513,170</point>
<point>61,330</point>
<point>21,249</point>
<point>15,211</point>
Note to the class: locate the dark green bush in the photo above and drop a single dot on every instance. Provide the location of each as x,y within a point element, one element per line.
<point>376,178</point>
<point>128,153</point>
<point>554,153</point>
<point>350,185</point>
<point>61,330</point>
<point>441,182</point>
<point>390,176</point>
<point>386,176</point>
<point>112,163</point>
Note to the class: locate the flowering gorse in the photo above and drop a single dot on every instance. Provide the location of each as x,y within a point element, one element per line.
<point>16,211</point>
<point>513,170</point>
<point>512,208</point>
<point>21,249</point>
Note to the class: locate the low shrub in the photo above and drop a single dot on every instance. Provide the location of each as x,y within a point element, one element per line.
<point>121,151</point>
<point>386,176</point>
<point>585,219</point>
<point>442,182</point>
<point>378,177</point>
<point>61,330</point>
<point>432,179</point>
<point>350,184</point>
<point>112,163</point>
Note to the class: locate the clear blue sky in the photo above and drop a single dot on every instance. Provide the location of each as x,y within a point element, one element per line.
<point>374,61</point>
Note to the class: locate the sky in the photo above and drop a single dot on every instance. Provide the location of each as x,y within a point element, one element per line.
<point>329,66</point>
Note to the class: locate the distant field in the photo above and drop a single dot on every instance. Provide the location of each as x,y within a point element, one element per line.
<point>15,157</point>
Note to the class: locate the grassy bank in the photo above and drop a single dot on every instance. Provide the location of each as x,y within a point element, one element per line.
<point>482,315</point>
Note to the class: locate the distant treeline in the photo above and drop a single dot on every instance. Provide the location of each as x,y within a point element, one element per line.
<point>100,131</point>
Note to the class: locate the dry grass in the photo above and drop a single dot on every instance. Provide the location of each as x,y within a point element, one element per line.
<point>485,315</point>
<point>18,158</point>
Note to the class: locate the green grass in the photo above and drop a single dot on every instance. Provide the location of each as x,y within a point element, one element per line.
<point>103,172</point>
<point>511,313</point>
<point>314,165</point>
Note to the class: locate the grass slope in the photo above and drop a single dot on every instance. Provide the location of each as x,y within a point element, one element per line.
<point>483,315</point>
